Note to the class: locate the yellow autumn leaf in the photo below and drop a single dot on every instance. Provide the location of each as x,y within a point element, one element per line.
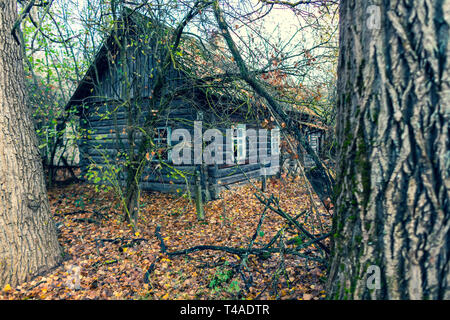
<point>165,296</point>
<point>137,234</point>
<point>7,288</point>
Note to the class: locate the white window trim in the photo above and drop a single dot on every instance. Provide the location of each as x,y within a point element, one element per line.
<point>240,141</point>
<point>275,143</point>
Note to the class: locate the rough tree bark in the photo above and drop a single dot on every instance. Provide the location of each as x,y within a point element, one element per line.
<point>392,192</point>
<point>28,240</point>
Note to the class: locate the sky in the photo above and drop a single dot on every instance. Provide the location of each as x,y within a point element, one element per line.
<point>280,28</point>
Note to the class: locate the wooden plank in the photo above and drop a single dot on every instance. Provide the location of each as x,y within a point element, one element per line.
<point>166,188</point>
<point>223,172</point>
<point>166,180</point>
<point>106,130</point>
<point>238,177</point>
<point>102,144</point>
<point>105,123</point>
<point>100,152</point>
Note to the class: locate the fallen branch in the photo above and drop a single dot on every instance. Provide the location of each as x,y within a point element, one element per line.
<point>103,263</point>
<point>88,220</point>
<point>248,281</point>
<point>286,216</point>
<point>237,251</point>
<point>161,240</point>
<point>70,213</point>
<point>128,241</point>
<point>275,106</point>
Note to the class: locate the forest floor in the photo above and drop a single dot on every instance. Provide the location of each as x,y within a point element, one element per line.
<point>104,258</point>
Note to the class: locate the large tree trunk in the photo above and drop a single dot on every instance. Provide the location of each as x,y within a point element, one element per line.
<point>28,241</point>
<point>393,183</point>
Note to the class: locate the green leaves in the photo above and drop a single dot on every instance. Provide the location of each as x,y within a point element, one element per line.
<point>221,276</point>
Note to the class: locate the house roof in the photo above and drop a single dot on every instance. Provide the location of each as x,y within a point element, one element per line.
<point>86,84</point>
<point>195,62</point>
<point>99,63</point>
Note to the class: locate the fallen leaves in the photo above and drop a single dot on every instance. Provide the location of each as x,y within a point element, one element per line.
<point>109,260</point>
<point>307,296</point>
<point>7,288</point>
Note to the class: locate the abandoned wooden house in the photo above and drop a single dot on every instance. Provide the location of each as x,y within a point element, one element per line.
<point>114,104</point>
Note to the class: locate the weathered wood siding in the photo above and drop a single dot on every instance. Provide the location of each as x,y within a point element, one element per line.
<point>117,98</point>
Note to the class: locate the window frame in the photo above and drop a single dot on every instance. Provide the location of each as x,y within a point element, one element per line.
<point>239,141</point>
<point>275,143</point>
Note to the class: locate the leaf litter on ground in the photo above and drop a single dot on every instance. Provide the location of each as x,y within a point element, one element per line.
<point>104,258</point>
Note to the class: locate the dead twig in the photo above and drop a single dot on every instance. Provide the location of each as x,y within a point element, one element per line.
<point>286,216</point>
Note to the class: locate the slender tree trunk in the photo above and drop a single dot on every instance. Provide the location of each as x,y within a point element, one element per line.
<point>391,228</point>
<point>198,196</point>
<point>132,194</point>
<point>278,110</point>
<point>28,241</point>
